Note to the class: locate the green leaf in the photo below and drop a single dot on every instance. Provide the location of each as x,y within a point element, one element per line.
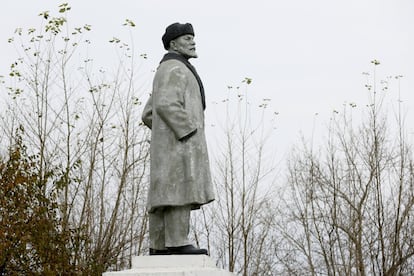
<point>129,22</point>
<point>44,14</point>
<point>375,62</point>
<point>247,80</point>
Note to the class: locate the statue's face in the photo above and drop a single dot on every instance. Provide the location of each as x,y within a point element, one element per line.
<point>184,45</point>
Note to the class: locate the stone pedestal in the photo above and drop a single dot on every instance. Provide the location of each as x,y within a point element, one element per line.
<point>172,265</point>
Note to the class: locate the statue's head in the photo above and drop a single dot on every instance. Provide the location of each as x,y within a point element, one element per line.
<point>179,38</point>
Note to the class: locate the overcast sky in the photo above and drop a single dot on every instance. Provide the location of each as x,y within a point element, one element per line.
<point>307,56</point>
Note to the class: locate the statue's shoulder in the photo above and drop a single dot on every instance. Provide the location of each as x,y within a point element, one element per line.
<point>172,66</point>
<point>171,63</point>
<point>170,70</point>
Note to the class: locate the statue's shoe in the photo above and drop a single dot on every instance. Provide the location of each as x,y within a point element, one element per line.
<point>187,250</point>
<point>153,251</point>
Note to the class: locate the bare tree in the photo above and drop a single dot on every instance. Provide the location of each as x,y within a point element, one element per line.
<point>83,123</point>
<point>241,223</point>
<point>350,203</point>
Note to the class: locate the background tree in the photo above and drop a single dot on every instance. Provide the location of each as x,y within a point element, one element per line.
<point>240,224</point>
<point>31,237</point>
<point>349,209</point>
<point>84,123</point>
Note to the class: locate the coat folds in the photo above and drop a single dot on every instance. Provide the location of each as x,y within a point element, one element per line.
<point>180,170</point>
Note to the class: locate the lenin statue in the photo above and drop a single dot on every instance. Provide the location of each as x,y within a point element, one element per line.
<point>180,178</point>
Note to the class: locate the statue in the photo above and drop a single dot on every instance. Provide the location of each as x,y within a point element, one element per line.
<point>180,178</point>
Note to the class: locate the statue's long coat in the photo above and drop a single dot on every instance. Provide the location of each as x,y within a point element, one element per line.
<point>180,170</point>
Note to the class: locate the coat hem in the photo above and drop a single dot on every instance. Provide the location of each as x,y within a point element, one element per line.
<point>194,206</point>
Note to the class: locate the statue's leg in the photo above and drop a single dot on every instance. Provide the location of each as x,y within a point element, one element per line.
<point>177,225</point>
<point>157,230</point>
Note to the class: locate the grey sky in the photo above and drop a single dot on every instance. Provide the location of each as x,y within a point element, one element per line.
<point>307,56</point>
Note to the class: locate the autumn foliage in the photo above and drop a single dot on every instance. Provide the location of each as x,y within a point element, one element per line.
<point>31,237</point>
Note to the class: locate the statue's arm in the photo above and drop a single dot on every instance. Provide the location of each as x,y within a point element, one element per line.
<point>147,113</point>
